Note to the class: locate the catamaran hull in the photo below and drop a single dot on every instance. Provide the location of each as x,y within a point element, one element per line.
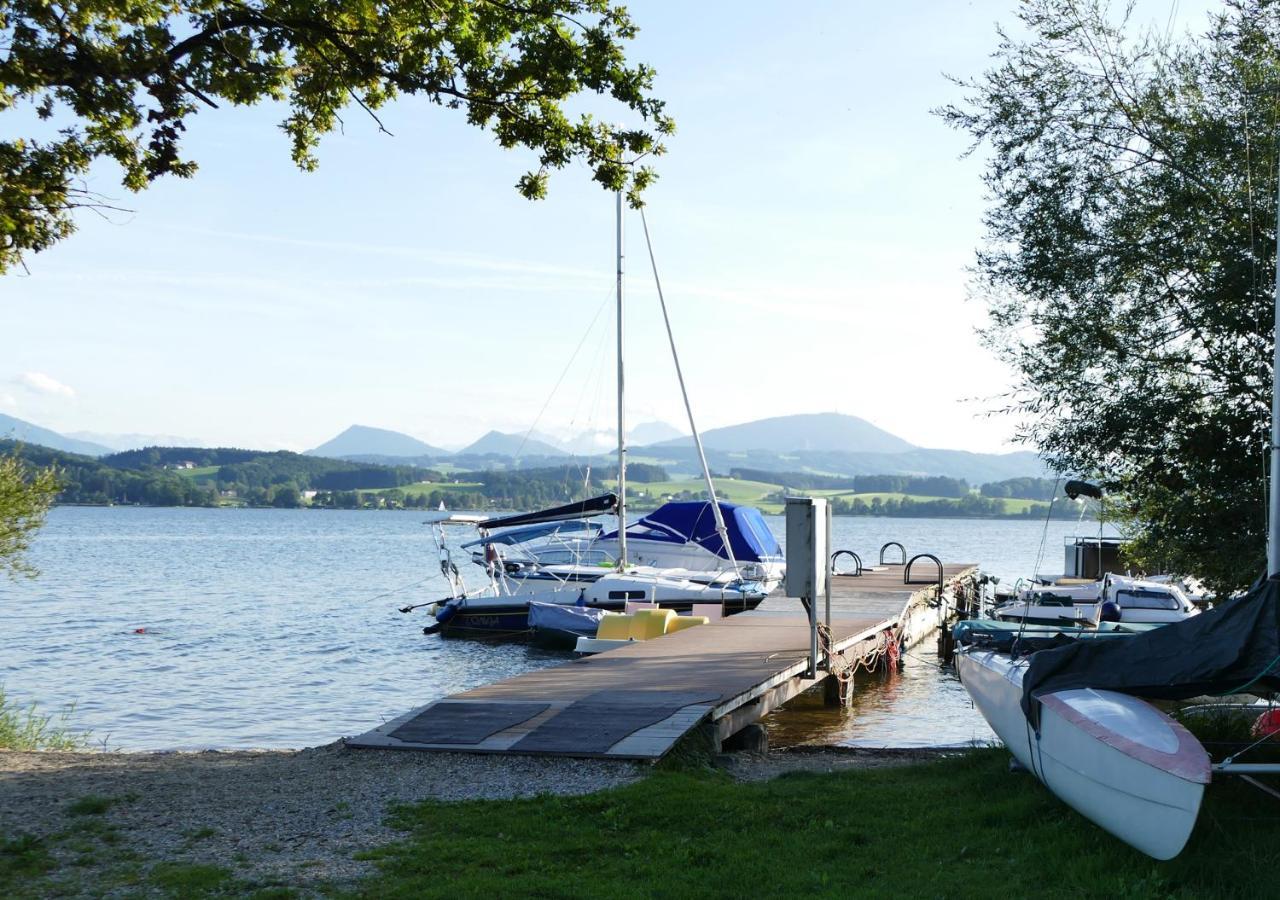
<point>1113,758</point>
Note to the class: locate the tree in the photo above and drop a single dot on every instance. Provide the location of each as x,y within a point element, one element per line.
<point>119,80</point>
<point>1128,264</point>
<point>25,497</point>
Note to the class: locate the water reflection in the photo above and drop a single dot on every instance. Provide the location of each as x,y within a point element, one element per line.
<point>924,705</point>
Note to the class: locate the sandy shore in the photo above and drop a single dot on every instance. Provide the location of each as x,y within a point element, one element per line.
<point>286,817</point>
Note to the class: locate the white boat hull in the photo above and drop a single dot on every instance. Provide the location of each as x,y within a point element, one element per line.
<point>1113,758</point>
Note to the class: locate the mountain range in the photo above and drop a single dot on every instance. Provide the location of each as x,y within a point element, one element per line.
<point>818,443</point>
<point>18,430</point>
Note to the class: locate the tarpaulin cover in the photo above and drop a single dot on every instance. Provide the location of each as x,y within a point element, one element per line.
<point>1226,649</point>
<point>693,521</point>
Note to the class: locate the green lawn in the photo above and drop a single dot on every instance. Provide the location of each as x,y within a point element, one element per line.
<point>960,827</point>
<point>426,487</point>
<point>200,473</point>
<point>733,490</point>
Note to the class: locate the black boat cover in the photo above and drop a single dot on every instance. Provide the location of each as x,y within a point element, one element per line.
<point>1074,489</point>
<point>1234,646</point>
<point>596,506</point>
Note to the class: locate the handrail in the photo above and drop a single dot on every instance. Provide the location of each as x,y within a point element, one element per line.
<point>857,563</point>
<point>900,547</point>
<point>906,574</point>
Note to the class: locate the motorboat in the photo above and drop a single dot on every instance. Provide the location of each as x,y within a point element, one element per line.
<point>1114,597</point>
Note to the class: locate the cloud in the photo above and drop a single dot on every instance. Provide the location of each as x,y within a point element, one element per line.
<point>41,383</point>
<point>8,401</point>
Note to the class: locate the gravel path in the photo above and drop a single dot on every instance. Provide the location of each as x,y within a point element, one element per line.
<point>271,817</point>
<point>292,818</point>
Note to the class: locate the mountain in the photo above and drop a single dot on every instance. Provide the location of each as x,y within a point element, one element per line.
<point>27,433</point>
<point>498,444</point>
<point>809,431</point>
<point>133,441</point>
<point>361,440</point>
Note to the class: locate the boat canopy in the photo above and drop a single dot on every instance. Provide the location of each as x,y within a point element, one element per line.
<point>596,506</point>
<point>694,522</point>
<point>527,533</point>
<point>1229,649</point>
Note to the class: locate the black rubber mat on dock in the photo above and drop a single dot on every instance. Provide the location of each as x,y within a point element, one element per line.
<point>597,722</point>
<point>464,722</point>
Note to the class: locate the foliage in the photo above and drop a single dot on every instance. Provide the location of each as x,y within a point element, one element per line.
<point>1129,259</point>
<point>119,81</point>
<point>1024,488</point>
<point>157,476</point>
<point>26,728</point>
<point>25,497</point>
<point>951,828</point>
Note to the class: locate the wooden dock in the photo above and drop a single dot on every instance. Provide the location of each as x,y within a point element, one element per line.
<point>637,701</point>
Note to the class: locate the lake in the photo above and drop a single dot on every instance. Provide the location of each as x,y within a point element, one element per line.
<point>221,628</point>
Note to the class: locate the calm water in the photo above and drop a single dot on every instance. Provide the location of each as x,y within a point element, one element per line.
<point>194,628</point>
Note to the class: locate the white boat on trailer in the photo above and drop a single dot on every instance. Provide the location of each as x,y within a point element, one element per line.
<point>1112,757</point>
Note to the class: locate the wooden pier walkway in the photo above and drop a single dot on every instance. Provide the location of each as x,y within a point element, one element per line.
<point>637,701</point>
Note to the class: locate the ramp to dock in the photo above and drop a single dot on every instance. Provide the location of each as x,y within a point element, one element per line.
<point>635,702</point>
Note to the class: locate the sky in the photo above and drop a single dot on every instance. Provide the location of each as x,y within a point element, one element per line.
<point>812,225</point>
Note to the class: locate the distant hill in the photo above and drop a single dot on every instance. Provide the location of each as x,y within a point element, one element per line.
<point>361,440</point>
<point>976,468</point>
<point>133,440</point>
<point>496,443</point>
<point>27,433</point>
<point>805,432</point>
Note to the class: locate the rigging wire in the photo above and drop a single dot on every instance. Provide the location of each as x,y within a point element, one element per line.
<point>697,440</point>
<point>573,356</point>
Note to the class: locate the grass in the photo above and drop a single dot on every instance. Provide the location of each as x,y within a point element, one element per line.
<point>961,827</point>
<point>91,805</point>
<point>427,487</point>
<point>26,728</point>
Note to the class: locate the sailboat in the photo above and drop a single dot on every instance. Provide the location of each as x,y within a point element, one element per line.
<point>567,568</point>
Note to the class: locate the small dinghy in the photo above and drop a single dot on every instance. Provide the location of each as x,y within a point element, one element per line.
<point>1113,758</point>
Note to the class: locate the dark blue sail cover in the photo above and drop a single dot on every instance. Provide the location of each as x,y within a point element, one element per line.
<point>693,521</point>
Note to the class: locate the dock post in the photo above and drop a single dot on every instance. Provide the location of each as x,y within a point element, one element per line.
<point>807,562</point>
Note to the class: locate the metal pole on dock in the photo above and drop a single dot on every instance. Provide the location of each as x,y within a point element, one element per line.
<point>1273,519</point>
<point>827,580</point>
<point>622,415</point>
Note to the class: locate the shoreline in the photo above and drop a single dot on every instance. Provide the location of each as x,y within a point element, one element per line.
<point>295,818</point>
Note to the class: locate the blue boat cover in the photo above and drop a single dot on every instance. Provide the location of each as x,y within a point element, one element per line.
<point>693,521</point>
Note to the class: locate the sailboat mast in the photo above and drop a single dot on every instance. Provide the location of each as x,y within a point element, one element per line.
<point>622,419</point>
<point>1273,520</point>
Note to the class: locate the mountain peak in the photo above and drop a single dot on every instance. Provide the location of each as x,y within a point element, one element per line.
<point>366,440</point>
<point>804,431</point>
<point>495,442</point>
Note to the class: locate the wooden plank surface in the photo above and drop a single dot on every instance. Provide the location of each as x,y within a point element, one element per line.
<point>741,661</point>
